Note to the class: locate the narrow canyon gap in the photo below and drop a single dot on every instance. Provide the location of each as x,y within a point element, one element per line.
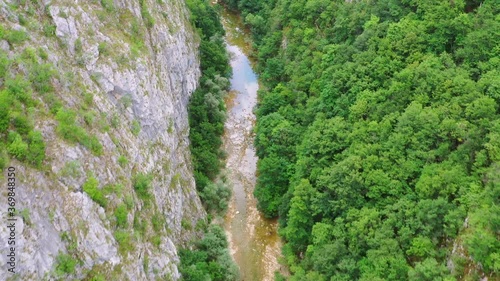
<point>253,240</point>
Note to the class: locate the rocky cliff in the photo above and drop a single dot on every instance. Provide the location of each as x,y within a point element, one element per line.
<point>123,72</point>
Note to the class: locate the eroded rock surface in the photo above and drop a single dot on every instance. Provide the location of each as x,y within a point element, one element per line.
<point>140,88</point>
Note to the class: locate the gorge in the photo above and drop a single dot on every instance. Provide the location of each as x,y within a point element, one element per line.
<point>301,140</point>
<point>106,84</point>
<point>253,239</point>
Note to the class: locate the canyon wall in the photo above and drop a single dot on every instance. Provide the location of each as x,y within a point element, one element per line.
<point>125,69</point>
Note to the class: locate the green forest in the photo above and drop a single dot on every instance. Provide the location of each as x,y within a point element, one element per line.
<point>378,136</point>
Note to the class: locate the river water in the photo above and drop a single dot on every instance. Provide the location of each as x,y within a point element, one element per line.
<point>253,240</point>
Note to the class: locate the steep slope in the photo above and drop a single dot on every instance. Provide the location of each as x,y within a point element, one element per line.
<point>110,81</point>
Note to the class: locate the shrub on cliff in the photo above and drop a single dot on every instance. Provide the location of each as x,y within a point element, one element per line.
<point>142,185</point>
<point>211,259</point>
<point>91,187</point>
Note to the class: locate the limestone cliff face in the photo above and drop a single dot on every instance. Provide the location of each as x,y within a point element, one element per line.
<point>134,64</point>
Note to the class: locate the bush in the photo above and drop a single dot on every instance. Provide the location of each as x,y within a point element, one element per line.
<point>136,128</point>
<point>29,55</point>
<point>40,77</point>
<point>126,100</point>
<point>19,89</point>
<point>142,184</point>
<point>186,224</point>
<point>108,5</point>
<point>156,240</point>
<point>93,144</point>
<point>140,225</point>
<point>121,215</point>
<point>69,130</point>
<point>67,127</point>
<point>4,64</point>
<point>5,103</point>
<point>124,241</point>
<point>4,159</point>
<point>36,148</point>
<point>49,30</point>
<point>122,161</point>
<point>103,123</point>
<point>17,147</point>
<point>53,103</point>
<point>25,214</point>
<point>158,222</point>
<point>42,54</point>
<point>22,124</point>
<point>89,118</point>
<point>129,201</point>
<point>88,100</point>
<point>91,187</point>
<point>103,49</point>
<point>15,37</point>
<point>22,20</point>
<point>78,46</point>
<point>95,276</point>
<point>115,120</point>
<point>65,264</point>
<point>146,16</point>
<point>215,197</point>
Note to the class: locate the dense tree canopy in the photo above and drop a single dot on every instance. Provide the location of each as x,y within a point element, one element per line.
<point>209,258</point>
<point>378,135</point>
<point>207,111</point>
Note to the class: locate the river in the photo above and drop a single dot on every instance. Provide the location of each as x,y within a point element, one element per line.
<point>253,240</point>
